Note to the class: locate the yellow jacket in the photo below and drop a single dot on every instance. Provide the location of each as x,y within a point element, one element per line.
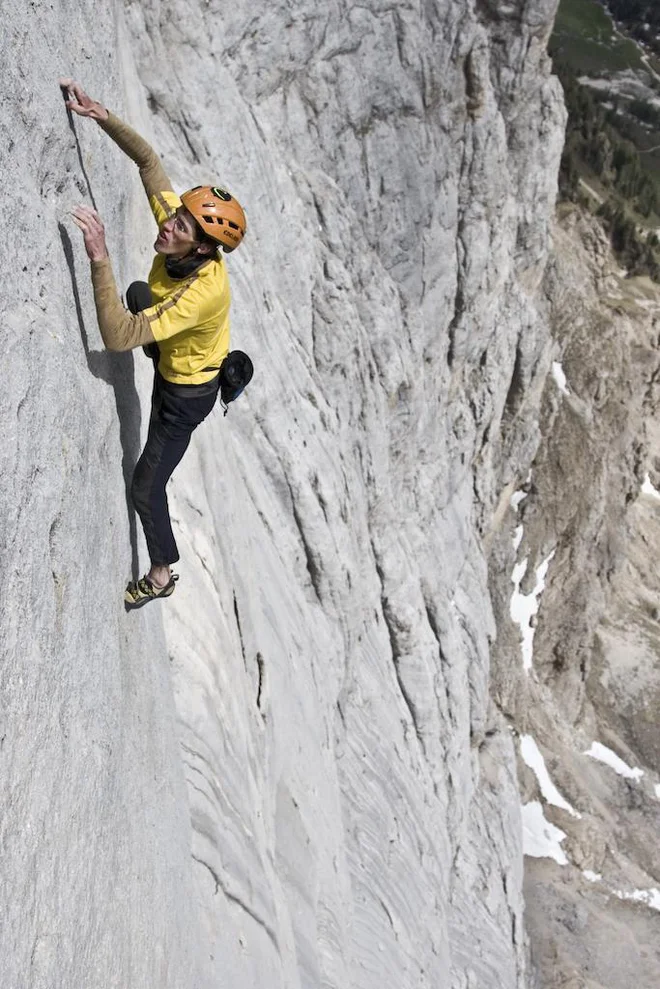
<point>190,317</point>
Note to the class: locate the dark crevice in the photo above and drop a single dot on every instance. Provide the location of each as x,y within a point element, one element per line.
<point>396,660</point>
<point>388,915</point>
<point>516,388</point>
<point>198,755</point>
<point>240,630</point>
<point>199,790</point>
<point>474,90</point>
<point>399,32</point>
<point>184,134</point>
<point>459,305</point>
<point>235,899</point>
<point>319,212</point>
<point>262,674</point>
<point>433,625</point>
<point>216,880</point>
<point>319,497</point>
<point>255,917</point>
<point>390,624</point>
<point>258,126</point>
<point>583,668</point>
<point>312,567</point>
<point>69,114</point>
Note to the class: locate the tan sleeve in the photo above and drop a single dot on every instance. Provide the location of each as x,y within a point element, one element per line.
<point>152,172</point>
<point>120,329</point>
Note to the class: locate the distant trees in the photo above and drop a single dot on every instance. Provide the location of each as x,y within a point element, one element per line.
<point>592,138</point>
<point>646,112</point>
<point>635,250</point>
<point>641,19</point>
<point>596,147</point>
<point>635,13</point>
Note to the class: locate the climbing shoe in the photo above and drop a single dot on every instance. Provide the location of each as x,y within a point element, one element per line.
<point>138,592</point>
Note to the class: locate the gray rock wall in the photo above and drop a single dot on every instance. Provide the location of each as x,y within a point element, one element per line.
<point>94,827</point>
<point>594,920</point>
<point>291,774</point>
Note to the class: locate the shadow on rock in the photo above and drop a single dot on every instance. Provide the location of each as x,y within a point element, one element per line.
<point>117,370</point>
<point>79,151</point>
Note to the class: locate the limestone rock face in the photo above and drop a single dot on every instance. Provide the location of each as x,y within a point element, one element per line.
<point>297,772</point>
<point>591,508</point>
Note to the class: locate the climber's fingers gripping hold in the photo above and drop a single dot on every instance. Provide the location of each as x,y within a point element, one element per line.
<point>77,100</point>
<point>93,232</point>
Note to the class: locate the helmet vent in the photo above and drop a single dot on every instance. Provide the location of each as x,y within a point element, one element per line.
<point>216,212</point>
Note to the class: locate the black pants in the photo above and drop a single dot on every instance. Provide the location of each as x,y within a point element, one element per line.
<point>176,410</point>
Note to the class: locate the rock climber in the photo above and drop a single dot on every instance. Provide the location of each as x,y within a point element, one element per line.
<point>181,318</point>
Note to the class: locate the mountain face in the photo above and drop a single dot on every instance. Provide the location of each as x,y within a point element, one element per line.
<point>589,701</point>
<point>309,767</point>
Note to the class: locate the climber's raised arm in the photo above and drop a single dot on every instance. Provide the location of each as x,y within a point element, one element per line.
<point>152,173</point>
<point>120,329</point>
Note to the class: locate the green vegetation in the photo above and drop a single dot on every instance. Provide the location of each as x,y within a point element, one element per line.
<point>611,149</point>
<point>644,112</point>
<point>641,18</point>
<point>586,38</point>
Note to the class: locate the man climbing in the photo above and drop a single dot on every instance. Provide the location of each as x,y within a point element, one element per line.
<point>181,318</point>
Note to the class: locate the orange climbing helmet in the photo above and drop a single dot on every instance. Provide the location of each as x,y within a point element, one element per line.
<point>220,216</point>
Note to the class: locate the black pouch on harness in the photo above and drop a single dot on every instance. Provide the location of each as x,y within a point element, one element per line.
<point>235,373</point>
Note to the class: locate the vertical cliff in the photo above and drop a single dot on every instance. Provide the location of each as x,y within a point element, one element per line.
<point>291,774</point>
<point>585,707</point>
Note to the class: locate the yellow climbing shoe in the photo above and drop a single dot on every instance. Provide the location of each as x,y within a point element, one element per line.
<point>138,592</point>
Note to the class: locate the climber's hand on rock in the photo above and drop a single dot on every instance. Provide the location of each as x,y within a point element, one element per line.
<point>77,100</point>
<point>93,230</point>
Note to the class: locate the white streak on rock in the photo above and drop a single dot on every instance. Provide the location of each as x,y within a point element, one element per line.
<point>648,489</point>
<point>650,897</point>
<point>534,759</point>
<point>611,759</point>
<point>525,606</point>
<point>517,497</point>
<point>560,377</point>
<point>517,537</point>
<point>541,839</point>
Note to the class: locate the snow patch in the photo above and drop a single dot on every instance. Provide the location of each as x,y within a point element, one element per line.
<point>517,537</point>
<point>651,897</point>
<point>534,759</point>
<point>560,377</point>
<point>524,607</point>
<point>657,790</point>
<point>541,839</point>
<point>517,497</point>
<point>648,489</point>
<point>611,759</point>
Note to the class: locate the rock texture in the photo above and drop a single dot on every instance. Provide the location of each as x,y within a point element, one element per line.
<point>594,677</point>
<point>301,770</point>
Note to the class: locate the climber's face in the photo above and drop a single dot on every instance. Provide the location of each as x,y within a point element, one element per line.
<point>178,236</point>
